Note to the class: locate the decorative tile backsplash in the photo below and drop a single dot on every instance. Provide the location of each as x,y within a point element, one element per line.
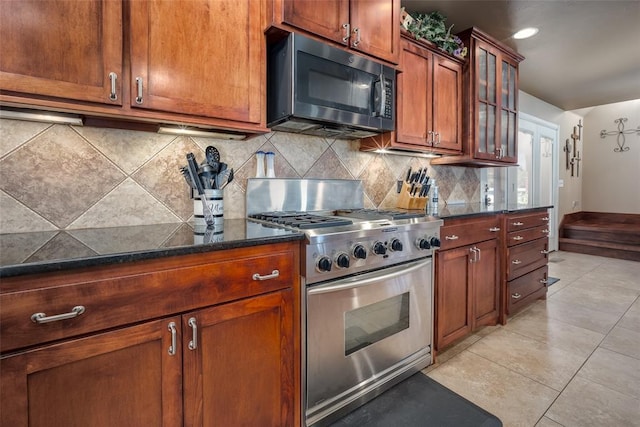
<point>61,177</point>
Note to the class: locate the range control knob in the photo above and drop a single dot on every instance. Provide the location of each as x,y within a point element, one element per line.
<point>359,252</point>
<point>379,248</point>
<point>434,241</point>
<point>396,245</point>
<point>323,264</point>
<point>342,260</point>
<point>423,244</point>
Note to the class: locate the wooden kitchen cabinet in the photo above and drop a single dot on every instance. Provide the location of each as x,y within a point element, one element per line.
<point>63,49</point>
<point>491,103</point>
<point>526,257</point>
<point>203,64</point>
<point>211,344</point>
<point>429,96</point>
<point>467,285</point>
<point>369,26</point>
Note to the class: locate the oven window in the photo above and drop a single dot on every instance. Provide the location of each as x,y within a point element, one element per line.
<point>375,322</point>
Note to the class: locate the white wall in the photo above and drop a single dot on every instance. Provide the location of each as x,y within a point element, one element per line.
<point>570,194</point>
<point>611,181</point>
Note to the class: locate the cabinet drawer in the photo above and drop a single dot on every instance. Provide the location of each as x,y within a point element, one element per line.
<point>522,221</point>
<point>526,235</point>
<point>521,289</point>
<point>524,258</point>
<point>464,232</point>
<point>116,296</point>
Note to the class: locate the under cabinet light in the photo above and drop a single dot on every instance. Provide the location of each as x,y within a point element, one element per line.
<point>40,116</point>
<point>168,130</point>
<point>406,153</point>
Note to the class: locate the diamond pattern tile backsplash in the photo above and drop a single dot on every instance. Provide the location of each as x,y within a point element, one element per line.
<point>61,177</point>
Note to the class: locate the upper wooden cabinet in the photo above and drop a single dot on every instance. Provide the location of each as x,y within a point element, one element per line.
<point>491,103</point>
<point>203,64</point>
<point>429,93</point>
<point>369,26</point>
<point>64,49</point>
<point>204,59</point>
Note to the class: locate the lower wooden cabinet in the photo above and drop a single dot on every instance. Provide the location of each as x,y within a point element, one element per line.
<point>225,353</point>
<point>467,290</point>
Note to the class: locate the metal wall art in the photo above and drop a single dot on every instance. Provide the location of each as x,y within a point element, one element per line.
<point>572,154</point>
<point>620,133</point>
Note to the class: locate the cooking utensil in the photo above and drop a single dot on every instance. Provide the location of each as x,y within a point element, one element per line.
<point>193,173</point>
<point>212,153</point>
<point>185,172</point>
<point>228,180</point>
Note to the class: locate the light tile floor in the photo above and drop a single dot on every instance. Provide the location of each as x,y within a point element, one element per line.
<point>572,360</point>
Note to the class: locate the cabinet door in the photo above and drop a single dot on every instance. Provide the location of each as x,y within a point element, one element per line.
<point>508,111</point>
<point>447,100</point>
<point>128,377</point>
<point>375,28</point>
<point>453,308</point>
<point>240,369</point>
<point>325,18</point>
<point>61,48</point>
<point>486,284</point>
<point>414,95</point>
<point>202,57</point>
<point>486,102</point>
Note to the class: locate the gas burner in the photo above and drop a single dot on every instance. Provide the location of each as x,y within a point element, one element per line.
<point>301,220</point>
<point>373,214</point>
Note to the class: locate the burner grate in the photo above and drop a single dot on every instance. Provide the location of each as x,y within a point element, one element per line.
<point>301,220</point>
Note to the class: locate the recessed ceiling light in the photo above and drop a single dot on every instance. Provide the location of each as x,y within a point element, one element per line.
<point>525,33</point>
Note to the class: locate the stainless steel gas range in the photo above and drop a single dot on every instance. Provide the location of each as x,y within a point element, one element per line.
<point>368,308</point>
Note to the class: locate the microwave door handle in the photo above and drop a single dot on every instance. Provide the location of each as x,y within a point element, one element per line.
<point>383,95</point>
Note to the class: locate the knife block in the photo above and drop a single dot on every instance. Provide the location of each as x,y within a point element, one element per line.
<point>407,201</point>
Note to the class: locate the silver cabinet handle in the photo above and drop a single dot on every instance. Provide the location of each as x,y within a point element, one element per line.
<point>516,262</point>
<point>545,231</point>
<point>546,218</point>
<point>41,318</point>
<point>347,33</point>
<point>113,77</point>
<point>173,346</point>
<point>494,229</point>
<point>517,224</point>
<point>139,86</point>
<point>193,344</point>
<point>516,296</point>
<point>437,141</point>
<point>452,237</point>
<point>544,252</point>
<point>431,139</point>
<point>473,251</point>
<point>479,254</point>
<point>518,238</point>
<point>273,275</point>
<point>544,281</point>
<point>356,42</point>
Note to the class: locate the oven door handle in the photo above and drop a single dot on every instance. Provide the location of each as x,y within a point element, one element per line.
<point>368,278</point>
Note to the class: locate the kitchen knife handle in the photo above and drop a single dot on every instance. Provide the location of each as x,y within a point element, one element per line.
<point>113,77</point>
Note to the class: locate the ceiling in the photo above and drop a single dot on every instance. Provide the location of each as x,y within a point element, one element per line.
<point>587,52</point>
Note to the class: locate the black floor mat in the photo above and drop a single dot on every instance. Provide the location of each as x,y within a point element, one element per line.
<point>419,401</point>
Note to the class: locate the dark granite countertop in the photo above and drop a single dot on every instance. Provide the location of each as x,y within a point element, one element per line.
<point>478,209</point>
<point>47,251</point>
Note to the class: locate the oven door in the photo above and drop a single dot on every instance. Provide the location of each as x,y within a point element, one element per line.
<point>363,331</point>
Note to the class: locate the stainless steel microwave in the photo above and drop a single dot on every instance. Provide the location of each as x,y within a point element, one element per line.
<point>318,89</point>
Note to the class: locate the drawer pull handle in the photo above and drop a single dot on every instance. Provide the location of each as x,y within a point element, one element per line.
<point>452,237</point>
<point>516,262</point>
<point>544,252</point>
<point>112,78</point>
<point>273,275</point>
<point>516,296</point>
<point>193,344</point>
<point>40,318</point>
<point>544,281</point>
<point>139,99</point>
<point>546,218</point>
<point>494,229</point>
<point>518,238</point>
<point>545,231</point>
<point>172,347</point>
<point>518,224</point>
